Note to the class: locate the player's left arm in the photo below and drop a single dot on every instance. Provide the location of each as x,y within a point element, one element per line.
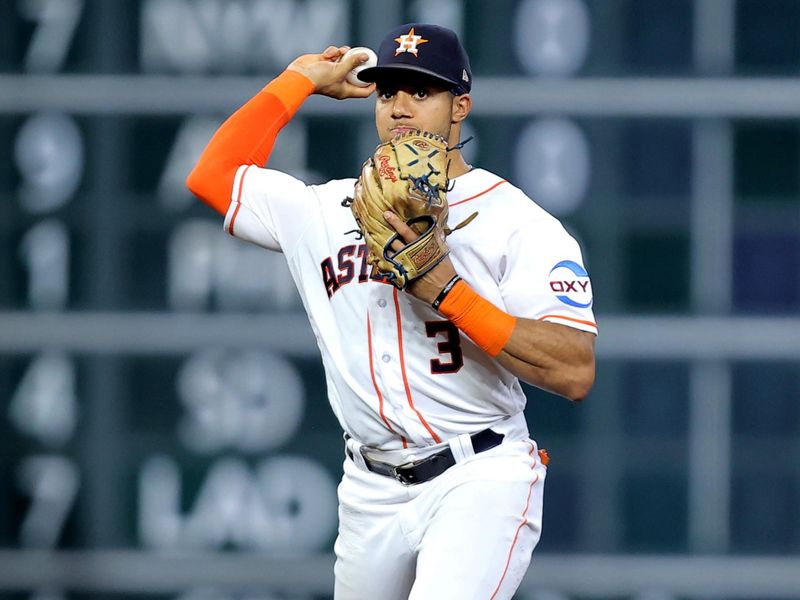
<point>557,358</point>
<point>554,357</point>
<point>551,356</point>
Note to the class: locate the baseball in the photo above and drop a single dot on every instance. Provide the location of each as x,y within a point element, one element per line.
<point>352,76</point>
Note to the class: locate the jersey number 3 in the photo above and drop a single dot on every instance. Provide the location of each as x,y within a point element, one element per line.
<point>451,345</point>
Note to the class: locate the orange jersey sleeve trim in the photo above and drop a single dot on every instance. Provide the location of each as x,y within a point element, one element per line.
<point>581,321</point>
<point>247,138</point>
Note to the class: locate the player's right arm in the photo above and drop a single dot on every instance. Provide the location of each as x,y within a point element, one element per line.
<point>247,136</point>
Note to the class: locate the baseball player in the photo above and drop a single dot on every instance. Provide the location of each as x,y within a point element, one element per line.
<point>442,490</point>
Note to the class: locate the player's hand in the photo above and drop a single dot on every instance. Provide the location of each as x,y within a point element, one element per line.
<point>328,71</point>
<point>427,287</point>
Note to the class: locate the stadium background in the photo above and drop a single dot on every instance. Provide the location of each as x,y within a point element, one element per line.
<point>164,430</point>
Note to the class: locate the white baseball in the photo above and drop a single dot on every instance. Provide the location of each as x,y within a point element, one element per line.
<point>352,76</point>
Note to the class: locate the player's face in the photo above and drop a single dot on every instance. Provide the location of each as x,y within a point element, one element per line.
<point>413,103</point>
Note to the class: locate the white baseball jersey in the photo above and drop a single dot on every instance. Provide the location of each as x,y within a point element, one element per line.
<point>398,373</point>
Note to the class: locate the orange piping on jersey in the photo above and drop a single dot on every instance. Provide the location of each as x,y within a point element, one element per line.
<point>486,191</point>
<point>403,369</point>
<point>375,383</point>
<point>521,525</point>
<point>569,319</point>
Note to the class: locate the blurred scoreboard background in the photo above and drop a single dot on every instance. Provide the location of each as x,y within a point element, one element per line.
<point>164,427</point>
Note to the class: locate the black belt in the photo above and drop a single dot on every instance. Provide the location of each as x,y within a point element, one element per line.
<point>431,466</point>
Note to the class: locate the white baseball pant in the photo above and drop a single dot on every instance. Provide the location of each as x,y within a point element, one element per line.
<point>468,533</point>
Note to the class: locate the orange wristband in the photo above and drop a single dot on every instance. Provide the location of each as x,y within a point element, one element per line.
<point>488,326</point>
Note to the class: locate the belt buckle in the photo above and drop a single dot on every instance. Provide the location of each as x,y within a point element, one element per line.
<point>403,478</point>
<point>387,469</point>
<point>398,476</point>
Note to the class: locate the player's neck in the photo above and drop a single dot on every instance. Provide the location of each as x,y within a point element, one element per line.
<point>458,166</point>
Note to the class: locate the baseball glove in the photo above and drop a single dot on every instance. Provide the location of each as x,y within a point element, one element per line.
<point>408,176</point>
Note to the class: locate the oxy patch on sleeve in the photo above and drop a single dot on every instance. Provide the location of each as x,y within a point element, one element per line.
<point>570,283</point>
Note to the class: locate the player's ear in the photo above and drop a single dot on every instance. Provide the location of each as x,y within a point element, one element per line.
<point>462,105</point>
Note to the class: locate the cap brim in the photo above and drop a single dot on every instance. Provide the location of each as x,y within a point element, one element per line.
<point>372,74</point>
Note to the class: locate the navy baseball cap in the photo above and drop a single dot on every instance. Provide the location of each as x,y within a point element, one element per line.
<point>422,48</point>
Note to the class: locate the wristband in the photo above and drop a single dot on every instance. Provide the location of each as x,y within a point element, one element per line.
<point>445,290</point>
<point>487,326</point>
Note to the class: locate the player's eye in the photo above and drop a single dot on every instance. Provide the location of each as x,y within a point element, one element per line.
<point>386,94</point>
<point>421,93</point>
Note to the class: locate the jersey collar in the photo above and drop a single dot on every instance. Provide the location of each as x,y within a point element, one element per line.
<point>472,183</point>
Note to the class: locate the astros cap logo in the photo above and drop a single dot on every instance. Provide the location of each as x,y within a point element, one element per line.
<point>408,43</point>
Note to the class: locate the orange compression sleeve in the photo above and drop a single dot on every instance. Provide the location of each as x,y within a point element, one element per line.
<point>487,326</point>
<point>247,137</point>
